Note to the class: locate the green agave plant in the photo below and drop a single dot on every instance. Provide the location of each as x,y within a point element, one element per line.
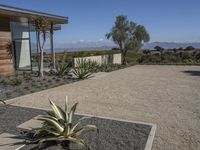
<point>2,102</point>
<point>62,69</point>
<point>58,126</point>
<point>83,69</point>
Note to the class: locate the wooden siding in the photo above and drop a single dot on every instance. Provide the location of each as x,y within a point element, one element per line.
<point>6,63</point>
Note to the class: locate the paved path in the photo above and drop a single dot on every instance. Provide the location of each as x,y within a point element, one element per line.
<point>168,96</point>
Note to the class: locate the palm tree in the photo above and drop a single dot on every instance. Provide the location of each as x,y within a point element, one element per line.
<point>127,35</point>
<point>41,25</point>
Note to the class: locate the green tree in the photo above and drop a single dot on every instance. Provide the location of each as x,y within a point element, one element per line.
<point>189,48</point>
<point>127,35</point>
<point>42,26</point>
<point>158,48</point>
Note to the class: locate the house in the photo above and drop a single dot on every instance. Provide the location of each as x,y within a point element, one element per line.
<point>18,37</point>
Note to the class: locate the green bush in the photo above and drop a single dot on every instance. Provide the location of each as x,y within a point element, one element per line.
<point>16,80</point>
<point>27,76</point>
<point>169,57</point>
<point>13,80</point>
<point>109,67</point>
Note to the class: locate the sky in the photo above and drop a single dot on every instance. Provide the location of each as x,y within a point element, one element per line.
<point>90,20</point>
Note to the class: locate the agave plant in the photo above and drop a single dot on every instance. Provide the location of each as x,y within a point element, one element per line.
<point>62,69</point>
<point>2,102</point>
<point>83,69</point>
<point>58,126</point>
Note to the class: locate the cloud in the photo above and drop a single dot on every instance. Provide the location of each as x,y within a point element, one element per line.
<point>74,42</point>
<point>81,41</point>
<point>100,40</point>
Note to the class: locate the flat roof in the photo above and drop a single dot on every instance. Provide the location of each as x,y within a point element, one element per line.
<point>11,11</point>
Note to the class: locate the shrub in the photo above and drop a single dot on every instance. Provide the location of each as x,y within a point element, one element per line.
<point>83,69</point>
<point>170,57</point>
<point>69,61</point>
<point>150,58</point>
<point>16,80</point>
<point>27,76</point>
<point>13,80</point>
<point>62,69</point>
<point>58,125</point>
<point>197,56</point>
<point>94,66</point>
<point>186,55</point>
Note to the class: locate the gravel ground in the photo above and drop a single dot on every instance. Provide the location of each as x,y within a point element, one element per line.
<point>112,135</point>
<point>168,96</point>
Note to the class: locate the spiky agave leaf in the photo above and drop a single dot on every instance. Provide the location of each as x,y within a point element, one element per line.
<point>51,138</point>
<point>82,129</point>
<point>71,113</point>
<point>66,109</point>
<point>58,112</point>
<point>78,123</point>
<point>2,102</point>
<point>80,142</point>
<point>52,122</point>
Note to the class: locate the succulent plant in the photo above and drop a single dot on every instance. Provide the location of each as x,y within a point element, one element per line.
<point>62,69</point>
<point>2,102</point>
<point>83,69</point>
<point>58,126</point>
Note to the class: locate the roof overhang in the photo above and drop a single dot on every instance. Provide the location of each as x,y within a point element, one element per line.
<point>12,12</point>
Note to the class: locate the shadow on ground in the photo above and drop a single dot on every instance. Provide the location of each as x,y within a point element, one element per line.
<point>192,72</point>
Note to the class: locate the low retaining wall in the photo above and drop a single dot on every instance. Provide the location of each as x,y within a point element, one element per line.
<point>102,59</point>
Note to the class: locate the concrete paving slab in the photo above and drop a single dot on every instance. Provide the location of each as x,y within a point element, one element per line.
<point>30,124</point>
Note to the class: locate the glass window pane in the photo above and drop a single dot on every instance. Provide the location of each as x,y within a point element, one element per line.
<point>20,30</point>
<point>22,54</point>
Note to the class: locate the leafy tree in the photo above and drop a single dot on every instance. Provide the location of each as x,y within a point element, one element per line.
<point>158,48</point>
<point>41,25</point>
<point>189,48</point>
<point>180,48</point>
<point>127,35</point>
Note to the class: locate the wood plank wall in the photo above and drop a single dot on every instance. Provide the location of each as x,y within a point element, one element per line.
<point>6,63</point>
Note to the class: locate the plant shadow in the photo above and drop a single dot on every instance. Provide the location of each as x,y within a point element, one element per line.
<point>192,72</point>
<point>51,146</point>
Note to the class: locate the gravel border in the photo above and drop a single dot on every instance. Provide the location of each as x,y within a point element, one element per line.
<point>121,135</point>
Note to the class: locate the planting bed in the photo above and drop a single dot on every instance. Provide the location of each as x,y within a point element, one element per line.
<point>26,86</point>
<point>26,83</point>
<point>111,135</point>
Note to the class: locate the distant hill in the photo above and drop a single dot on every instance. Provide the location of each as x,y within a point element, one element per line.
<point>170,45</point>
<point>109,46</point>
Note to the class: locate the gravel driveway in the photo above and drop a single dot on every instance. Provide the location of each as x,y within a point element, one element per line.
<point>168,96</point>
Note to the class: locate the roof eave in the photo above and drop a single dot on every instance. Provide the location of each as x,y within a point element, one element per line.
<point>18,12</point>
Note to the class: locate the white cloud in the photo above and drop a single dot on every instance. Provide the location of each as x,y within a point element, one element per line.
<point>81,41</point>
<point>74,42</point>
<point>100,40</point>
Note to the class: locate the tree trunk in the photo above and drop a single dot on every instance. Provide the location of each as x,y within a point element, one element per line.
<point>41,63</point>
<point>41,56</point>
<point>124,62</point>
<point>38,49</point>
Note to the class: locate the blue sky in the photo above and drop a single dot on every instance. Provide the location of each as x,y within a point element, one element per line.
<point>89,20</point>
